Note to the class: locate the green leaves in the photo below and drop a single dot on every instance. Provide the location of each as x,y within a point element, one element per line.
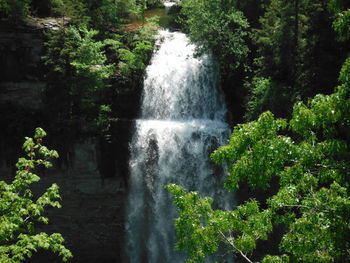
<point>218,27</point>
<point>309,156</point>
<point>78,48</point>
<point>315,236</point>
<point>89,59</point>
<point>94,65</point>
<point>19,210</point>
<point>341,24</point>
<point>74,54</point>
<point>29,244</point>
<point>194,237</point>
<point>276,259</point>
<point>200,229</point>
<point>256,153</point>
<point>323,113</point>
<point>106,14</point>
<point>74,9</point>
<point>344,76</point>
<point>15,10</point>
<point>134,60</point>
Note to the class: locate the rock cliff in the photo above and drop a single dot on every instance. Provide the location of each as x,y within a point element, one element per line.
<point>92,172</point>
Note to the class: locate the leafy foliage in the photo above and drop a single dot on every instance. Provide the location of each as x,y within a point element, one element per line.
<point>103,117</point>
<point>309,157</point>
<point>20,208</point>
<point>92,68</point>
<point>200,229</point>
<point>109,13</point>
<point>218,27</point>
<point>266,94</point>
<point>74,9</point>
<point>289,43</point>
<point>101,14</point>
<point>312,203</point>
<point>15,9</point>
<point>73,54</point>
<point>134,60</point>
<point>89,59</point>
<point>132,51</point>
<point>342,20</point>
<point>77,47</point>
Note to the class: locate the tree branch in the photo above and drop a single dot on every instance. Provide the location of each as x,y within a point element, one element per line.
<point>226,240</point>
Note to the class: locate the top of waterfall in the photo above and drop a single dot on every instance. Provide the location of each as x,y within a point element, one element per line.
<point>180,84</point>
<point>169,4</point>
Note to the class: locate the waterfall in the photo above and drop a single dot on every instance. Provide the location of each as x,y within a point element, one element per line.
<point>182,122</point>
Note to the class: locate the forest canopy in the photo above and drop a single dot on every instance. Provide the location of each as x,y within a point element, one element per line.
<point>301,163</point>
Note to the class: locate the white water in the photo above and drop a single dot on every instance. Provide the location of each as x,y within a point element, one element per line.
<point>182,122</point>
<point>169,4</point>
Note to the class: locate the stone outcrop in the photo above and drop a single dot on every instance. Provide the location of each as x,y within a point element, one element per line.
<point>92,174</point>
<point>21,70</point>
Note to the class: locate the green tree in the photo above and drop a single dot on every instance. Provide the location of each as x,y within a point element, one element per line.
<point>20,208</point>
<point>218,27</point>
<point>132,51</point>
<point>74,9</point>
<point>342,21</point>
<point>134,60</point>
<point>309,158</point>
<point>109,13</point>
<point>266,94</point>
<point>289,45</point>
<point>14,9</point>
<point>73,54</point>
<point>312,203</point>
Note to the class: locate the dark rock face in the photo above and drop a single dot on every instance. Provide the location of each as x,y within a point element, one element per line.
<point>92,215</point>
<point>21,70</point>
<point>92,175</point>
<point>91,219</point>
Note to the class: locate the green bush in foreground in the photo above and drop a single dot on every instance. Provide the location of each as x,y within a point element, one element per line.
<point>20,209</point>
<point>312,203</point>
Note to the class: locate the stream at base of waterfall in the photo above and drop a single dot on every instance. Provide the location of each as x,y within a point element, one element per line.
<point>182,122</point>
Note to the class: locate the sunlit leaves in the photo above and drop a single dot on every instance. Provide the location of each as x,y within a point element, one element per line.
<point>196,238</point>
<point>201,229</point>
<point>318,235</point>
<point>256,152</point>
<point>19,209</point>
<point>89,59</point>
<point>309,156</point>
<point>276,259</point>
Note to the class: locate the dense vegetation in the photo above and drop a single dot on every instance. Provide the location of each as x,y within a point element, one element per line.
<point>273,54</point>
<point>301,164</point>
<point>94,55</point>
<point>90,61</point>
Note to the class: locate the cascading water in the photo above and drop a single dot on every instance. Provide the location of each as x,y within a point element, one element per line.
<point>182,122</point>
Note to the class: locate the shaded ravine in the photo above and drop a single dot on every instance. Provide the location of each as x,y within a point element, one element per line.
<point>182,122</point>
